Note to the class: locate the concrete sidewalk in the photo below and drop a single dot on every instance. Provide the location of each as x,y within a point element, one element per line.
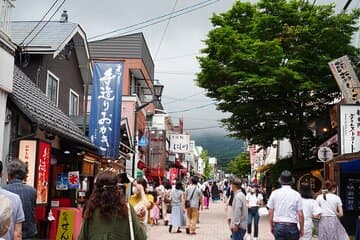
<point>212,226</point>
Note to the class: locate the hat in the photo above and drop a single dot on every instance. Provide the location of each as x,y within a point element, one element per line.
<point>286,178</point>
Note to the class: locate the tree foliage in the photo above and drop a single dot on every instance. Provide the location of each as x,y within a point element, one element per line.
<point>240,165</point>
<point>267,64</point>
<point>208,168</point>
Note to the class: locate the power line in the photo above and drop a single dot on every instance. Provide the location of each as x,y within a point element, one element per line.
<point>177,73</point>
<point>176,57</point>
<point>47,12</point>
<point>166,27</point>
<point>190,109</point>
<point>46,23</point>
<point>202,128</point>
<point>184,98</point>
<point>162,17</point>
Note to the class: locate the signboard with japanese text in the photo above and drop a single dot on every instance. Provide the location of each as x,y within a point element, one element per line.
<point>105,115</point>
<point>43,170</point>
<point>349,128</point>
<point>346,79</point>
<point>180,143</point>
<point>65,229</point>
<point>192,145</point>
<point>27,154</point>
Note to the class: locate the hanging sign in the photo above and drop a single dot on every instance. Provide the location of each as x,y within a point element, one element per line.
<point>143,142</point>
<point>27,154</point>
<point>180,143</point>
<point>105,114</point>
<point>43,169</point>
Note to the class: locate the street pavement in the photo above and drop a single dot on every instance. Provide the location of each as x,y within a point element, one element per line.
<point>212,226</point>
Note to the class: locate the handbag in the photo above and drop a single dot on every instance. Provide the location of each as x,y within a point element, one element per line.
<point>263,211</point>
<point>187,202</point>
<point>131,224</point>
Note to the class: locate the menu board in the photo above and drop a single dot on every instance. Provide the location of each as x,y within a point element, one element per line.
<point>350,192</point>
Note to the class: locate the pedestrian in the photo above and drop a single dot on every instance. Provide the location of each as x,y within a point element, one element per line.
<point>239,216</point>
<point>177,208</point>
<point>5,215</point>
<point>330,227</point>
<point>254,200</point>
<point>229,197</point>
<point>286,210</point>
<point>107,215</point>
<point>311,209</point>
<point>17,173</point>
<point>194,196</point>
<point>206,195</point>
<point>166,202</point>
<point>18,217</point>
<point>215,195</point>
<point>141,201</point>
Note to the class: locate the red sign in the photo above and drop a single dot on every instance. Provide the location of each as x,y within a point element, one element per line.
<point>43,160</point>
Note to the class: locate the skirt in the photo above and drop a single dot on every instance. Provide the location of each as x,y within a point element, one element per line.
<point>177,216</point>
<point>330,228</point>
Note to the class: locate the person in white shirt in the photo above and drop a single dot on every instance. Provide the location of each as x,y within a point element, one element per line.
<point>254,200</point>
<point>311,209</point>
<point>286,210</point>
<point>5,215</point>
<point>330,227</point>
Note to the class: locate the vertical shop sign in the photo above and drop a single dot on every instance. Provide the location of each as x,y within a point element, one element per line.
<point>105,115</point>
<point>65,229</point>
<point>27,154</point>
<point>43,169</point>
<point>346,79</point>
<point>349,128</point>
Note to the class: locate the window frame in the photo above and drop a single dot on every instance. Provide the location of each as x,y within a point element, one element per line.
<point>49,73</point>
<point>70,103</point>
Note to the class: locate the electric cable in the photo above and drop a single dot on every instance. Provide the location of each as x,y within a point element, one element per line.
<point>47,12</point>
<point>190,109</point>
<point>166,27</point>
<point>46,23</point>
<point>184,98</point>
<point>176,57</point>
<point>165,17</point>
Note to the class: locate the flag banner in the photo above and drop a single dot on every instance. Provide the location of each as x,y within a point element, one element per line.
<point>43,172</point>
<point>105,115</point>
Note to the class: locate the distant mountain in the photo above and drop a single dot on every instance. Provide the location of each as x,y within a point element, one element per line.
<point>219,145</point>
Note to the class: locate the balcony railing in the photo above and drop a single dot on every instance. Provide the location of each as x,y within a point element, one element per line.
<point>5,15</point>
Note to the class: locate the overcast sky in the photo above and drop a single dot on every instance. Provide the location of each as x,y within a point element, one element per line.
<point>173,44</point>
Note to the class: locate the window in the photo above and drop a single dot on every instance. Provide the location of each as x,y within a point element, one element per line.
<point>73,103</point>
<point>52,88</point>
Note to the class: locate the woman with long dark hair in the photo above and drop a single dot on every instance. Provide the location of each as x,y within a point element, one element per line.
<point>177,208</point>
<point>106,215</point>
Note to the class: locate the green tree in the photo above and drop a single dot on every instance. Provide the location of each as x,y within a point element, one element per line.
<point>240,165</point>
<point>267,64</point>
<point>208,168</point>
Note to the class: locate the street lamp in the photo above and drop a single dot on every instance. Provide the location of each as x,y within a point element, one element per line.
<point>157,92</point>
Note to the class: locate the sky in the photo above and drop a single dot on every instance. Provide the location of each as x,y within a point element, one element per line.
<point>174,44</point>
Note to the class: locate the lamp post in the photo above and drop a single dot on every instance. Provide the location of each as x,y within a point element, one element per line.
<point>157,92</point>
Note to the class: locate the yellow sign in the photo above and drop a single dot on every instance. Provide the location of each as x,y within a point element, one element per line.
<point>66,223</point>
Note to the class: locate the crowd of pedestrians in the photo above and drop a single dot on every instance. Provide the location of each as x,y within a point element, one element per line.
<point>109,213</point>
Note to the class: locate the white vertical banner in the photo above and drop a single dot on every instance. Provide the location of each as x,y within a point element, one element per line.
<point>349,128</point>
<point>27,154</point>
<point>180,143</point>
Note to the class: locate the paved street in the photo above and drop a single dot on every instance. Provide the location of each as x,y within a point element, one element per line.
<point>212,227</point>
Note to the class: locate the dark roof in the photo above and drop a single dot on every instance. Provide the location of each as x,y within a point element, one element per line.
<point>49,38</point>
<point>41,111</point>
<point>132,46</point>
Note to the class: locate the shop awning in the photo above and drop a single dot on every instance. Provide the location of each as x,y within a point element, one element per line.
<point>345,157</point>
